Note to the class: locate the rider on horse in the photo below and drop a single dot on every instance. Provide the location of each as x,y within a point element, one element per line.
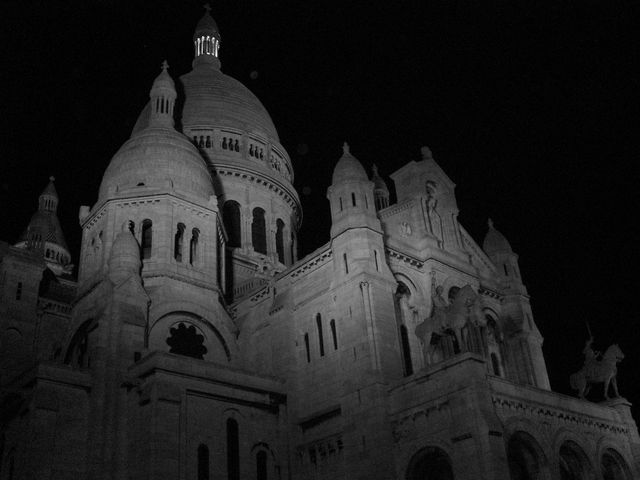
<point>591,358</point>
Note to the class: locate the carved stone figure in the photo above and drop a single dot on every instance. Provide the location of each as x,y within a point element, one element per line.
<point>597,371</point>
<point>450,319</point>
<point>405,229</point>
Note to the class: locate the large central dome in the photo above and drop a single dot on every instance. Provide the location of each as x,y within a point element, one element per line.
<point>212,98</point>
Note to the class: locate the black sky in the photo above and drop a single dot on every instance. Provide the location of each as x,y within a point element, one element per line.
<point>530,107</point>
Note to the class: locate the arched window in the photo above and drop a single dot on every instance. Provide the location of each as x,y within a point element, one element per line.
<point>147,238</point>
<point>261,465</point>
<point>231,220</point>
<point>574,463</point>
<point>259,231</point>
<point>495,364</point>
<point>406,350</point>
<point>203,462</point>
<point>346,263</point>
<point>614,467</point>
<point>19,291</point>
<point>400,303</point>
<point>178,241</point>
<point>353,199</point>
<point>525,457</point>
<point>186,341</point>
<point>430,463</point>
<point>233,450</point>
<point>280,240</point>
<point>193,246</point>
<point>334,334</point>
<point>306,346</point>
<point>320,336</point>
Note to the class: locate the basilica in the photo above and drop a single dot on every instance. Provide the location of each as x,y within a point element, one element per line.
<point>195,344</point>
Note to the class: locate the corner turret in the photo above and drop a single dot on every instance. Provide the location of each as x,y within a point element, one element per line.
<point>351,196</point>
<point>44,233</point>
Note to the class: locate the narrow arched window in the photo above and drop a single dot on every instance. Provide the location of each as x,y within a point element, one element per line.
<point>293,248</point>
<point>233,450</point>
<point>231,220</point>
<point>375,257</point>
<point>19,291</point>
<point>147,238</point>
<point>306,346</point>
<point>203,462</point>
<point>406,350</point>
<point>320,337</point>
<point>495,364</point>
<point>346,264</point>
<point>178,241</point>
<point>261,465</point>
<point>353,199</point>
<point>334,334</point>
<point>193,246</point>
<point>341,207</point>
<point>280,240</point>
<point>258,231</point>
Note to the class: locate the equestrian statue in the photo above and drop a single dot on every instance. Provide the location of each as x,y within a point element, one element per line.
<point>598,368</point>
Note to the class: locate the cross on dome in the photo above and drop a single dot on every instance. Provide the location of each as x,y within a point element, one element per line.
<point>207,7</point>
<point>345,148</point>
<point>52,178</point>
<point>165,65</point>
<point>490,223</point>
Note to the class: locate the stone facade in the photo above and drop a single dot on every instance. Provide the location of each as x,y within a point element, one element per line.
<point>196,345</point>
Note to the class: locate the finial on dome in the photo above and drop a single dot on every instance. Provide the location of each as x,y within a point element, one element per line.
<point>426,153</point>
<point>490,223</point>
<point>52,178</point>
<point>345,148</point>
<point>207,7</point>
<point>165,65</point>
<point>375,169</point>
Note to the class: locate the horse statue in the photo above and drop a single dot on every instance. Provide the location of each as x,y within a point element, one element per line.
<point>598,371</point>
<point>450,319</point>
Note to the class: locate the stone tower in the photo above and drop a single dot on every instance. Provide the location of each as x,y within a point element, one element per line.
<point>251,170</point>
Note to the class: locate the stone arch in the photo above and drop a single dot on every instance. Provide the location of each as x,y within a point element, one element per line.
<point>573,462</point>
<point>430,463</point>
<point>214,343</point>
<point>613,465</point>
<point>222,324</point>
<point>77,352</point>
<point>526,458</point>
<point>269,458</point>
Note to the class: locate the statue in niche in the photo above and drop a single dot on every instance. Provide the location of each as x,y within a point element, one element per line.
<point>434,221</point>
<point>598,368</point>
<point>405,229</point>
<point>453,327</point>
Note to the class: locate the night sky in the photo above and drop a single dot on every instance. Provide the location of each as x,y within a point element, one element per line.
<point>531,108</point>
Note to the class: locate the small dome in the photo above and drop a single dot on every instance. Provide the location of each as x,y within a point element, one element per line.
<point>125,256</point>
<point>214,99</point>
<point>348,168</point>
<point>164,80</point>
<point>206,25</point>
<point>379,185</point>
<point>160,158</point>
<point>495,242</point>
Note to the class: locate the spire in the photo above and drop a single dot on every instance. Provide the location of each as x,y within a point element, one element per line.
<point>206,41</point>
<point>348,168</point>
<point>495,242</point>
<point>48,201</point>
<point>380,190</point>
<point>44,232</point>
<point>163,98</point>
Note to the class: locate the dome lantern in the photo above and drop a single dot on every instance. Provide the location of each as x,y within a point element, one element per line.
<point>206,40</point>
